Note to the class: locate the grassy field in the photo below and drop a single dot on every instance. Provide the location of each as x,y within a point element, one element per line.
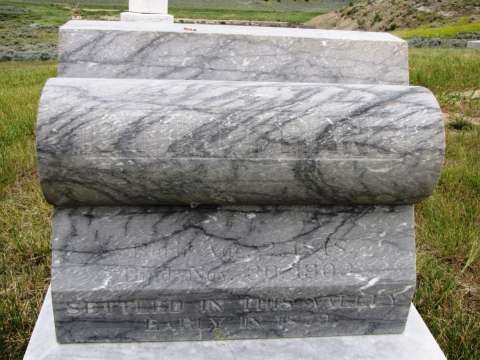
<point>290,17</point>
<point>24,216</point>
<point>448,223</point>
<point>311,6</point>
<point>443,31</point>
<point>29,31</point>
<point>51,13</point>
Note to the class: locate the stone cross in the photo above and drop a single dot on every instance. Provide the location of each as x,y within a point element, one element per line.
<point>147,10</point>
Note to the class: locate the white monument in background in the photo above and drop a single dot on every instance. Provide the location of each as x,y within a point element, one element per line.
<point>147,10</point>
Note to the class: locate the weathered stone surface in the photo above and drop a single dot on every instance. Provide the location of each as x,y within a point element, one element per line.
<point>150,142</point>
<point>155,274</point>
<point>104,49</point>
<point>416,342</point>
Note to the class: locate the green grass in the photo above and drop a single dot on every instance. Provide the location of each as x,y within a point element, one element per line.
<point>20,86</point>
<point>452,74</point>
<point>30,27</point>
<point>442,31</point>
<point>30,30</point>
<point>290,17</point>
<point>45,14</point>
<point>448,237</point>
<point>445,70</point>
<point>257,5</point>
<point>448,223</point>
<point>24,215</point>
<point>58,14</point>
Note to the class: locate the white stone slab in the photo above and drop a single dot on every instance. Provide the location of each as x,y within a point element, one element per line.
<point>158,50</point>
<point>133,16</point>
<point>415,343</point>
<point>148,6</point>
<point>475,44</point>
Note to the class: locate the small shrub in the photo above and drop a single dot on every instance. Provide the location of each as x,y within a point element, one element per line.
<point>460,124</point>
<point>391,27</point>
<point>376,18</point>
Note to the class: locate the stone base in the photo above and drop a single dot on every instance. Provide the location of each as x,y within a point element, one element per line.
<point>415,343</point>
<point>132,16</point>
<point>126,274</point>
<point>473,44</point>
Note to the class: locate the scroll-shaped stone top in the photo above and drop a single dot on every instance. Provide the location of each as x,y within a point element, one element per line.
<point>112,49</point>
<point>152,142</point>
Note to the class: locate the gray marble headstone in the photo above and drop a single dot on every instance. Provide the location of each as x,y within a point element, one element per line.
<point>275,123</point>
<point>113,49</point>
<point>160,274</point>
<point>151,142</point>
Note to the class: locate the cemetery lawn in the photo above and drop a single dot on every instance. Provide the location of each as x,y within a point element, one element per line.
<point>29,30</point>
<point>52,13</point>
<point>448,223</point>
<point>453,30</point>
<point>210,14</point>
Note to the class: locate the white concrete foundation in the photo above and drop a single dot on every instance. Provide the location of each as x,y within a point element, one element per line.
<point>415,343</point>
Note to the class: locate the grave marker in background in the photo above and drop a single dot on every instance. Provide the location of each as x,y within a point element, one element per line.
<point>474,44</point>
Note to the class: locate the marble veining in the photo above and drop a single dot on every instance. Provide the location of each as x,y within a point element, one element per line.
<point>173,273</point>
<point>213,52</point>
<point>152,142</point>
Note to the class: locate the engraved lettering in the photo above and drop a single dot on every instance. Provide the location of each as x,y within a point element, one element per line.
<point>329,270</point>
<point>75,309</point>
<point>216,322</point>
<point>174,325</point>
<point>311,271</point>
<point>211,306</point>
<point>249,322</point>
<point>247,305</point>
<point>258,305</point>
<point>226,254</point>
<point>151,325</point>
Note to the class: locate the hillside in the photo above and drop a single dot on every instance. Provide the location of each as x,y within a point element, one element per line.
<point>389,15</point>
